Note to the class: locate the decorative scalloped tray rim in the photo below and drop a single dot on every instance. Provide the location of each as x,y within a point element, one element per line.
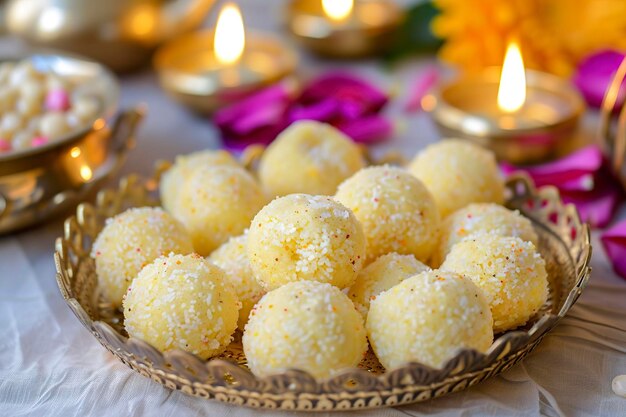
<point>294,383</point>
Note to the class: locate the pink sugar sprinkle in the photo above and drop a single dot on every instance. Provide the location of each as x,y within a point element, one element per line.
<point>57,100</point>
<point>39,140</point>
<point>5,145</point>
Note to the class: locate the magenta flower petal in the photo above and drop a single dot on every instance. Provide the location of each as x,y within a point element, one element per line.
<point>594,74</point>
<point>597,209</point>
<point>367,130</point>
<point>614,242</point>
<point>264,108</point>
<point>322,111</point>
<point>265,116</point>
<point>585,182</point>
<point>570,168</point>
<point>354,109</point>
<point>339,99</point>
<point>262,136</point>
<point>344,87</point>
<point>424,82</point>
<point>583,179</point>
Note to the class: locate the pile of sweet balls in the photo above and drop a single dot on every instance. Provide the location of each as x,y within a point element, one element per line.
<point>319,254</point>
<point>38,107</point>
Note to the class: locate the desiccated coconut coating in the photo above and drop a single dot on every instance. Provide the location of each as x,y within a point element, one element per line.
<point>309,157</point>
<point>182,302</point>
<point>396,210</point>
<point>130,241</point>
<point>233,259</point>
<point>458,173</point>
<point>305,237</point>
<point>216,203</point>
<point>305,325</point>
<point>380,275</point>
<point>509,271</point>
<point>173,179</point>
<point>481,218</point>
<point>427,318</point>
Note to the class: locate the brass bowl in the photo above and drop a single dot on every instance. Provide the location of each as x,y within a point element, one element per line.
<point>564,244</point>
<point>612,132</point>
<point>456,107</point>
<point>189,74</point>
<point>119,34</point>
<point>39,182</point>
<point>371,29</point>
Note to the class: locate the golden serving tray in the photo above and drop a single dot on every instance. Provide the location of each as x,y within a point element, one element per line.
<point>563,242</point>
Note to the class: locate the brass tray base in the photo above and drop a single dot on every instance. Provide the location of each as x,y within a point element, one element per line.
<point>564,243</point>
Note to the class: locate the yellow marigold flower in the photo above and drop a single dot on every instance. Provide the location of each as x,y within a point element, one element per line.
<point>554,35</point>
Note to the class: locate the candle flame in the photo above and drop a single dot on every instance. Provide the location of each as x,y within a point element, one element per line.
<point>512,90</point>
<point>337,9</point>
<point>86,173</point>
<point>230,38</point>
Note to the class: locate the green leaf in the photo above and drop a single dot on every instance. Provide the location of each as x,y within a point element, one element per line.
<point>415,36</point>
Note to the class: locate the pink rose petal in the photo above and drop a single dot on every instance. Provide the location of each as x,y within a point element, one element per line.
<point>583,179</point>
<point>262,136</point>
<point>594,75</point>
<point>57,100</point>
<point>264,108</point>
<point>571,167</point>
<point>340,99</point>
<point>344,87</point>
<point>596,210</point>
<point>5,145</point>
<point>39,141</point>
<point>424,82</point>
<point>614,242</point>
<point>367,130</point>
<point>322,111</point>
<point>585,182</point>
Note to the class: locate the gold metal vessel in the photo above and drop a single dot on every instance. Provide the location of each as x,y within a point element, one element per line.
<point>612,130</point>
<point>456,107</point>
<point>121,34</point>
<point>188,71</point>
<point>39,182</point>
<point>564,244</point>
<point>371,29</point>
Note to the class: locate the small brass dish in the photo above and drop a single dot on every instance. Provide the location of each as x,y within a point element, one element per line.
<point>370,29</point>
<point>612,130</point>
<point>36,183</point>
<point>189,72</point>
<point>564,244</point>
<point>467,108</point>
<point>120,34</point>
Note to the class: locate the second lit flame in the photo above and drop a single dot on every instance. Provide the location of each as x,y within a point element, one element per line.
<point>230,37</point>
<point>337,9</point>
<point>512,90</point>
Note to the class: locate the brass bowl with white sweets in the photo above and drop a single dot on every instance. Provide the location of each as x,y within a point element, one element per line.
<point>275,286</point>
<point>61,135</point>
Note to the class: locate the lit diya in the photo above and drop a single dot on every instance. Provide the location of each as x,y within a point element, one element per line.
<point>344,28</point>
<point>209,69</point>
<point>522,115</point>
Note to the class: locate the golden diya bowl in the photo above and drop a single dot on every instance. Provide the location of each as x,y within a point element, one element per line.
<point>190,73</point>
<point>369,28</point>
<point>467,108</point>
<point>119,34</point>
<point>36,183</point>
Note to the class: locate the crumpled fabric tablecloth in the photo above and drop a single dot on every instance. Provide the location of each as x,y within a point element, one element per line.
<point>51,366</point>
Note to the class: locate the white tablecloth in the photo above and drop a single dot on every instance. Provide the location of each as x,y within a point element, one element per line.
<point>51,366</point>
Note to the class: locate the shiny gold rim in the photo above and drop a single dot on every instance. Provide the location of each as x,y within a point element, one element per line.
<point>564,241</point>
